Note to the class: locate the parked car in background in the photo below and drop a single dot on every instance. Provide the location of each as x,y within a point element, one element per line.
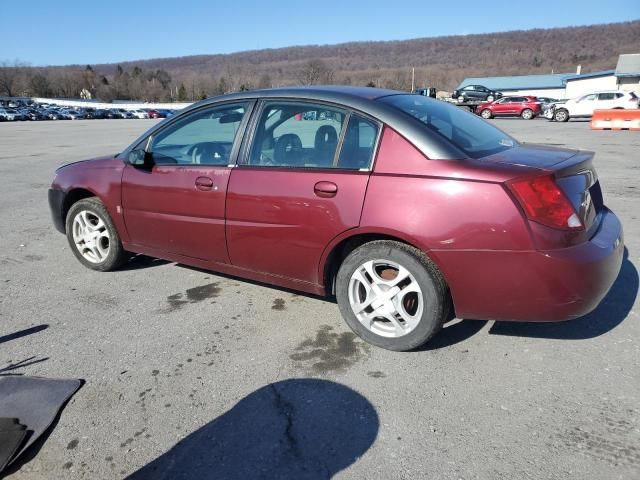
<point>139,114</point>
<point>153,113</point>
<point>114,113</point>
<point>525,107</point>
<point>584,106</point>
<point>6,115</point>
<point>75,115</point>
<point>408,209</point>
<point>475,93</point>
<point>18,115</point>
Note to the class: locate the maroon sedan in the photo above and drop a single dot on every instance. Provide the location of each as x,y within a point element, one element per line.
<point>525,107</point>
<point>407,209</point>
<point>155,113</point>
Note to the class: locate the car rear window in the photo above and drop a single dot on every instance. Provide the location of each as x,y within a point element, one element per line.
<point>469,133</point>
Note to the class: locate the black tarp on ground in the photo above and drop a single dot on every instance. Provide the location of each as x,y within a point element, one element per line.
<point>33,402</point>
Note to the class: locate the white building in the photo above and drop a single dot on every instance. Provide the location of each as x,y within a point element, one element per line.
<point>625,77</point>
<point>628,72</point>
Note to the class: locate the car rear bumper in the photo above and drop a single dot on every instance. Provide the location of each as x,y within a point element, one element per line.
<point>56,204</point>
<point>542,286</point>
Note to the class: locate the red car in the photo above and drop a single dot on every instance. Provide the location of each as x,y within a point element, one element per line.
<point>154,113</point>
<point>406,208</point>
<point>525,107</point>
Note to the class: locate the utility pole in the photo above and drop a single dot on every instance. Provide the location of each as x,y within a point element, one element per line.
<point>413,79</point>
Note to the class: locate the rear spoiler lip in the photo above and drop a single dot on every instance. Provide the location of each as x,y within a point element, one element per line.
<point>580,162</point>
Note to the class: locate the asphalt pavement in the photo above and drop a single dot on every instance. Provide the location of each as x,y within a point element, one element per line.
<point>188,372</point>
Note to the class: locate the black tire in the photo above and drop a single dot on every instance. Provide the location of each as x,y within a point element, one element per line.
<point>561,115</point>
<point>527,114</point>
<point>435,297</point>
<point>486,114</point>
<point>117,255</point>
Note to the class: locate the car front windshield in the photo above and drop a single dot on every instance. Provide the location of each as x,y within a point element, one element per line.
<point>477,138</point>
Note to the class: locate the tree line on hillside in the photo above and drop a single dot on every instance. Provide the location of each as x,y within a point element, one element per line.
<point>441,62</point>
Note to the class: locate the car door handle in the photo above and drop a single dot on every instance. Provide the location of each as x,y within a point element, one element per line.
<point>325,189</point>
<point>204,183</point>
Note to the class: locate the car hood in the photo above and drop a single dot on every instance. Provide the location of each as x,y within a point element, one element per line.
<point>105,161</point>
<point>532,155</point>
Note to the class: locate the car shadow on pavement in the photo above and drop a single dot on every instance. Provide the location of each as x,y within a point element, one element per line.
<point>300,429</point>
<point>612,311</point>
<point>453,332</point>
<point>142,261</point>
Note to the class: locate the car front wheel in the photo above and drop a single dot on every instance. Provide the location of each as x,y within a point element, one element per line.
<point>93,237</point>
<point>490,98</point>
<point>486,113</point>
<point>391,295</point>
<point>561,115</point>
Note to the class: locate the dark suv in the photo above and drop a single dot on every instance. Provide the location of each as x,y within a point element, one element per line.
<point>475,92</point>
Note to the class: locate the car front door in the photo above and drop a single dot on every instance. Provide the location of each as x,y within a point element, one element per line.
<point>501,106</point>
<point>174,187</point>
<point>585,105</point>
<point>300,183</point>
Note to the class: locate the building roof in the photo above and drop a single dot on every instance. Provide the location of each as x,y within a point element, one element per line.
<point>581,76</point>
<point>628,65</point>
<point>519,82</point>
<point>534,82</point>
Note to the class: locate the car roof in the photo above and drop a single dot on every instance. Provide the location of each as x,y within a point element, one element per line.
<point>362,99</point>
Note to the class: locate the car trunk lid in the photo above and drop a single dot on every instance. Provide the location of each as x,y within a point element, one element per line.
<point>574,174</point>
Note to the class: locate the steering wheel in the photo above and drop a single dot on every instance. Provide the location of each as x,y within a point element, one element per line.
<point>207,153</point>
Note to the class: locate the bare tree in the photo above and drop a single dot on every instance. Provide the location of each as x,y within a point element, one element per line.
<point>10,77</point>
<point>315,72</point>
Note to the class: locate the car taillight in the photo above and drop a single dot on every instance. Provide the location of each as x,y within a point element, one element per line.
<point>544,202</point>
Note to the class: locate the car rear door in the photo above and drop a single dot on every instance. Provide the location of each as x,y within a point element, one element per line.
<point>606,100</point>
<point>300,182</point>
<point>175,200</point>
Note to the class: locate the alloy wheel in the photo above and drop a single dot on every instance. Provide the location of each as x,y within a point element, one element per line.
<point>91,236</point>
<point>386,298</point>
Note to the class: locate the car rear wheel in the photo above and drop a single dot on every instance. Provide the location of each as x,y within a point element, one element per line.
<point>460,99</point>
<point>93,237</point>
<point>490,98</point>
<point>486,113</point>
<point>391,295</point>
<point>527,114</point>
<point>561,115</point>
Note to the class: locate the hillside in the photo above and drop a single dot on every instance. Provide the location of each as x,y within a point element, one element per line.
<point>442,62</point>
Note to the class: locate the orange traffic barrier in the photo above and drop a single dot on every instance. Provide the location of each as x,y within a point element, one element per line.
<point>617,119</point>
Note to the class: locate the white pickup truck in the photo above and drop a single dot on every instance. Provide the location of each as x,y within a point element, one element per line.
<point>583,107</point>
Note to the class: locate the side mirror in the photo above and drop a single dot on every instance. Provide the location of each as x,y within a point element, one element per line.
<point>140,158</point>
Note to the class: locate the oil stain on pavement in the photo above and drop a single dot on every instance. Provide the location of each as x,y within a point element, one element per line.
<point>278,304</point>
<point>329,351</point>
<point>192,295</point>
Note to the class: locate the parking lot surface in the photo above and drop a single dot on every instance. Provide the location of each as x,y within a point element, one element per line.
<point>186,369</point>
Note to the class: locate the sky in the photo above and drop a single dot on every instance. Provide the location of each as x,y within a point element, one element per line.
<point>61,32</point>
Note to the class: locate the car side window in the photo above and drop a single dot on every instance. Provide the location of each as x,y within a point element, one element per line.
<point>359,143</point>
<point>606,96</point>
<point>588,98</point>
<point>205,137</point>
<point>292,134</point>
<point>468,88</point>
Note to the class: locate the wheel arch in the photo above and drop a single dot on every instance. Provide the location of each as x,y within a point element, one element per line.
<point>72,196</point>
<point>344,244</point>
